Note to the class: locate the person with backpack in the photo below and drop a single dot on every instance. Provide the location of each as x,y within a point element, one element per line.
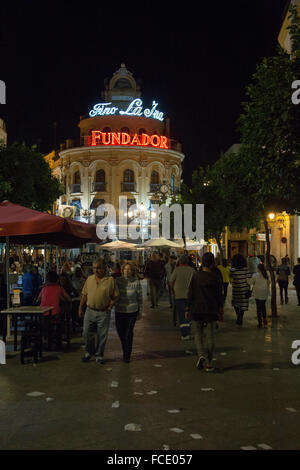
<point>283,272</point>
<point>204,309</point>
<point>180,283</point>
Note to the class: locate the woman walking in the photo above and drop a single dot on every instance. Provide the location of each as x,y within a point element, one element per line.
<point>128,307</point>
<point>240,287</point>
<point>283,272</point>
<point>261,285</point>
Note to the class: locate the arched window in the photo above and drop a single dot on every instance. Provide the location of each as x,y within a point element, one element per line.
<point>99,184</point>
<point>77,177</point>
<point>125,129</point>
<point>106,129</point>
<point>128,184</point>
<point>122,84</point>
<point>100,176</point>
<point>128,176</point>
<point>154,177</point>
<point>142,131</point>
<point>154,181</point>
<point>76,186</point>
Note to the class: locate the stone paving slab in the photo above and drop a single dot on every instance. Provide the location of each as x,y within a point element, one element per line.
<point>252,397</point>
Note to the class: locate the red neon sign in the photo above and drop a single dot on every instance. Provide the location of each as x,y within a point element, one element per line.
<point>122,138</point>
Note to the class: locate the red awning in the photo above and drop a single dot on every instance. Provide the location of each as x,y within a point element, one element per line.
<point>28,226</point>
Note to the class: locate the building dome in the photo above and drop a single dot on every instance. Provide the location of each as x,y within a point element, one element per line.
<point>122,88</point>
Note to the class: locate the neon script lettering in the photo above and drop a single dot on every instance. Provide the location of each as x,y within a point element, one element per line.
<point>135,108</point>
<point>122,138</point>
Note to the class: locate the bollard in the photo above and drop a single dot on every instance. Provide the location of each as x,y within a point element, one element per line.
<point>2,353</point>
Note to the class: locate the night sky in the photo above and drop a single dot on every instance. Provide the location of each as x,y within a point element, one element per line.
<point>195,60</point>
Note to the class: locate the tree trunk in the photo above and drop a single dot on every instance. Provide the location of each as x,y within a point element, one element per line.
<point>218,240</point>
<point>271,271</point>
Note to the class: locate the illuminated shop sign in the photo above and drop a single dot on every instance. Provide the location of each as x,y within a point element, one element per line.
<point>122,138</point>
<point>135,108</point>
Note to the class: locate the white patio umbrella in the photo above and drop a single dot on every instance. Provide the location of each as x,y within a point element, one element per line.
<point>192,244</point>
<point>119,245</point>
<point>160,243</point>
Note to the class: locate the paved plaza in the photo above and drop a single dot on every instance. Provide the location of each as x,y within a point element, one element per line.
<point>252,398</point>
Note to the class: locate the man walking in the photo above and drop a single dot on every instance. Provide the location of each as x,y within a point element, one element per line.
<point>154,271</point>
<point>180,282</point>
<point>205,307</point>
<point>99,294</point>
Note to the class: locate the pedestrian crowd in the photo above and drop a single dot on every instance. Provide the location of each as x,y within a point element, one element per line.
<point>196,292</point>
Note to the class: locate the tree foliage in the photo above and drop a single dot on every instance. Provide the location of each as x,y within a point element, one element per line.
<point>26,179</point>
<point>217,188</point>
<point>269,129</point>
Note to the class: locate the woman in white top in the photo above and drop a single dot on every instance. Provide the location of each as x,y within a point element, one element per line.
<point>261,286</point>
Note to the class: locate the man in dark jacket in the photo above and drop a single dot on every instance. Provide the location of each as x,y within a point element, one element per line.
<point>205,308</point>
<point>154,272</point>
<point>296,272</point>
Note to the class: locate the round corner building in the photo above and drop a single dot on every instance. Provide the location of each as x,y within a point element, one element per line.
<point>125,150</point>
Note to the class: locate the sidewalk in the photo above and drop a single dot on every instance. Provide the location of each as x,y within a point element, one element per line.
<point>252,398</point>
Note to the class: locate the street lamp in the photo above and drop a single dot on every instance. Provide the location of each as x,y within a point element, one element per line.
<point>271,216</point>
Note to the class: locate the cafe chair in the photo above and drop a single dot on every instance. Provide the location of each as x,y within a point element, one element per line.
<point>30,343</point>
<point>61,327</point>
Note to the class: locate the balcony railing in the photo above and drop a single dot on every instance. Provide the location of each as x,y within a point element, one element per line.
<point>75,188</point>
<point>154,187</point>
<point>128,187</point>
<point>98,187</point>
<point>86,141</point>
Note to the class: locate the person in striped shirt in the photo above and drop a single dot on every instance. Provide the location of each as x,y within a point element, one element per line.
<point>239,275</point>
<point>128,307</point>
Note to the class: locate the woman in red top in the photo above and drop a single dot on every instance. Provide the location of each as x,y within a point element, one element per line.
<point>52,293</point>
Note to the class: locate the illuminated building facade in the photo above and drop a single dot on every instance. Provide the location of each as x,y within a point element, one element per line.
<point>125,149</point>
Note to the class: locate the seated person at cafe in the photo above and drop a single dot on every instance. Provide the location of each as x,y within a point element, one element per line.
<point>29,288</point>
<point>65,282</point>
<point>52,293</point>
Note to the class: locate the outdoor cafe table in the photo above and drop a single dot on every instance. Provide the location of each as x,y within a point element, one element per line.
<point>27,311</point>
